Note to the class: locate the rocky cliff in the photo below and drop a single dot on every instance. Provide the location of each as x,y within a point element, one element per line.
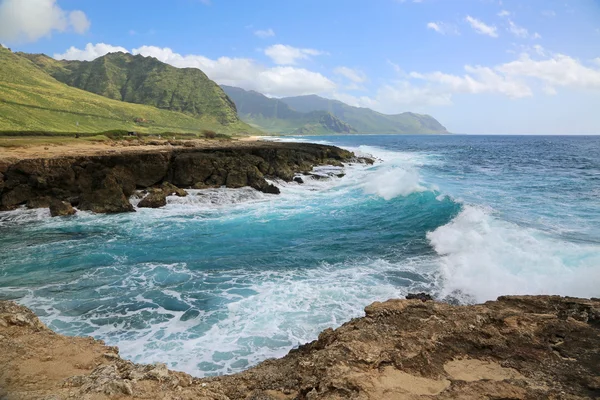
<point>103,183</point>
<point>529,347</point>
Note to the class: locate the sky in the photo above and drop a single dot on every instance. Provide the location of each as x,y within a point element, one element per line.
<point>478,66</point>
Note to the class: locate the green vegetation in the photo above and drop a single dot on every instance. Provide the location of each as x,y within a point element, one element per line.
<point>365,120</point>
<point>275,116</point>
<point>32,100</point>
<point>144,80</point>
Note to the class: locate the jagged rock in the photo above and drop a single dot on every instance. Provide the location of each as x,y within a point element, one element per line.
<point>154,199</point>
<point>171,189</point>
<point>271,189</point>
<point>518,347</point>
<point>419,296</point>
<point>39,202</point>
<point>236,179</point>
<point>103,183</point>
<point>109,199</point>
<point>319,177</point>
<point>298,179</point>
<point>60,208</point>
<point>18,195</point>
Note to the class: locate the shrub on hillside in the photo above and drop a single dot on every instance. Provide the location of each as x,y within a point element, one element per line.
<point>209,134</point>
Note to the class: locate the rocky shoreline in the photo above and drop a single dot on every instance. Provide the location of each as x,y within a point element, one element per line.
<point>103,183</point>
<point>518,347</point>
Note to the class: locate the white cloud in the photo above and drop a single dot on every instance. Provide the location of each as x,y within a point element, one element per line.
<point>503,13</point>
<point>442,28</point>
<point>481,28</point>
<point>30,20</point>
<point>558,70</point>
<point>435,26</point>
<point>90,52</point>
<point>263,34</point>
<point>287,55</point>
<point>353,75</point>
<point>477,80</point>
<point>521,32</point>
<point>247,73</point>
<point>79,21</point>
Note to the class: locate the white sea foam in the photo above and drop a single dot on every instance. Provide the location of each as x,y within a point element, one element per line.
<point>264,314</point>
<point>485,257</point>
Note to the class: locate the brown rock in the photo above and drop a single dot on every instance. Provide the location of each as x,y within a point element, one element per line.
<point>171,189</point>
<point>154,199</point>
<point>102,183</point>
<point>39,202</point>
<point>108,199</point>
<point>60,208</point>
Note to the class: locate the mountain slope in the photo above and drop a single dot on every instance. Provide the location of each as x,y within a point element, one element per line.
<point>275,116</point>
<point>144,80</point>
<point>32,100</point>
<point>366,120</point>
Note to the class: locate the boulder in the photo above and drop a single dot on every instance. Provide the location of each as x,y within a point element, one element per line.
<point>171,189</point>
<point>419,296</point>
<point>298,179</point>
<point>271,189</point>
<point>108,199</point>
<point>60,208</point>
<point>154,199</point>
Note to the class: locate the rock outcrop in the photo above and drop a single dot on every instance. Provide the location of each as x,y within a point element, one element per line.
<point>521,347</point>
<point>60,208</point>
<point>104,183</point>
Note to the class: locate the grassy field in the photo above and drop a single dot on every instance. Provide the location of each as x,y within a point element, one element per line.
<point>31,100</point>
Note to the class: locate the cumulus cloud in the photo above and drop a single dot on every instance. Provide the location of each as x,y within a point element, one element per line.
<point>263,34</point>
<point>287,55</point>
<point>353,75</point>
<point>90,52</point>
<point>557,70</point>
<point>79,21</point>
<point>482,28</point>
<point>503,13</point>
<point>477,80</point>
<point>30,20</point>
<point>247,73</point>
<point>515,79</point>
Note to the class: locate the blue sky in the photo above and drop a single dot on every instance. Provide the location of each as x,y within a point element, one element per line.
<point>478,66</point>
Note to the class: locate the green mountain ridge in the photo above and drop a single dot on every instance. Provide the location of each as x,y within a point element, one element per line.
<point>275,116</point>
<point>32,100</point>
<point>143,80</point>
<point>365,120</point>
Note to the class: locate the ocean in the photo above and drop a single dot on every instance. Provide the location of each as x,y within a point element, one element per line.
<point>222,279</point>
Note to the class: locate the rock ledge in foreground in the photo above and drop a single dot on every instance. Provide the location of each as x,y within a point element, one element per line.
<point>525,347</point>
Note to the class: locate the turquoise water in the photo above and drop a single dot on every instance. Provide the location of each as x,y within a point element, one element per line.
<point>223,279</point>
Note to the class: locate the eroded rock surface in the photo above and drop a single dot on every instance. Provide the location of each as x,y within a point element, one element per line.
<point>526,347</point>
<point>103,183</point>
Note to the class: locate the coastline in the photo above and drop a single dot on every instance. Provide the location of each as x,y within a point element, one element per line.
<point>101,179</point>
<point>518,347</point>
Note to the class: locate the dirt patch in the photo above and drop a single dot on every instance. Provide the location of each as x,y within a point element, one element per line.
<point>477,370</point>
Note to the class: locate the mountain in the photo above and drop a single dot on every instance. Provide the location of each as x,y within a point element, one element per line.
<point>275,116</point>
<point>144,80</point>
<point>365,120</point>
<point>32,100</point>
